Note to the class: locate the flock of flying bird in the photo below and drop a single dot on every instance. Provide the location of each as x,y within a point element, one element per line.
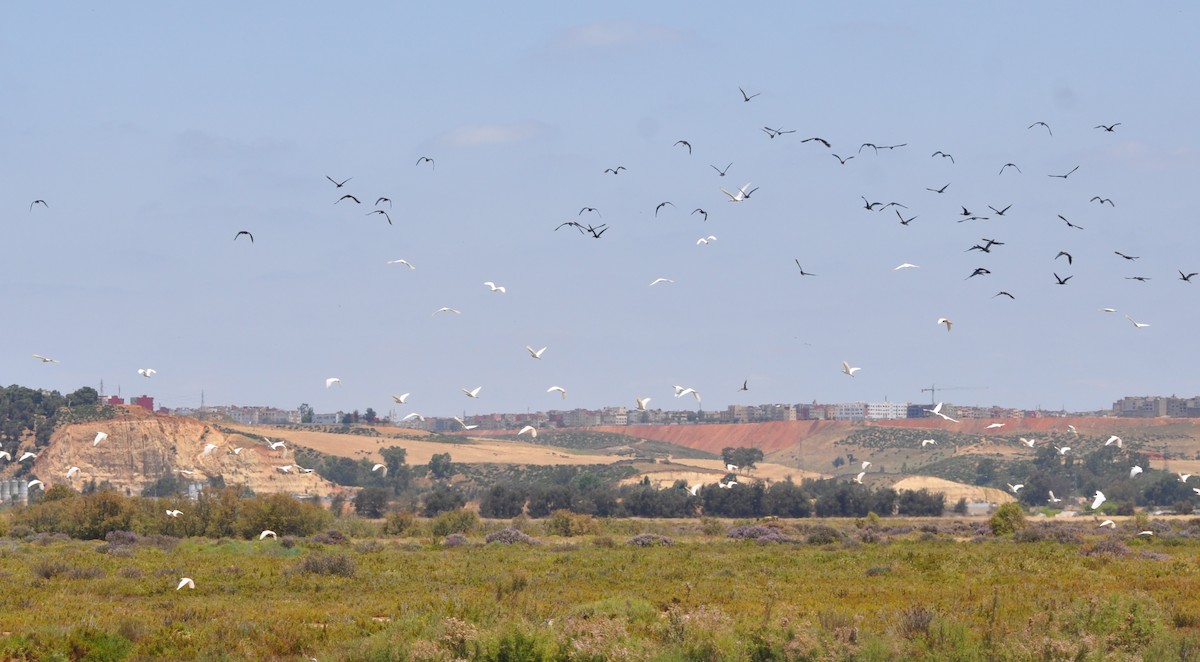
<point>740,195</point>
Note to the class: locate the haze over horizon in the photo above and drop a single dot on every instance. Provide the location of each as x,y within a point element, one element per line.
<point>156,132</point>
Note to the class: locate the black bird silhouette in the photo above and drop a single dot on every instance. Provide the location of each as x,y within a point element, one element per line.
<point>244,232</point>
<point>614,171</point>
<point>685,144</point>
<point>700,211</point>
<point>902,219</point>
<point>1187,278</point>
<point>802,271</point>
<point>964,212</point>
<point>892,146</point>
<point>1043,124</point>
<point>747,97</point>
<point>892,204</point>
<point>978,272</point>
<point>719,171</point>
<point>380,211</point>
<point>661,205</point>
<point>977,247</point>
<point>572,224</point>
<point>591,209</point>
<point>992,242</point>
<point>745,385</point>
<point>1127,257</point>
<point>871,145</point>
<point>943,155</point>
<point>38,202</point>
<point>1101,200</point>
<point>1003,293</point>
<point>337,183</point>
<point>870,206</point>
<point>841,160</point>
<point>1008,165</point>
<point>426,158</point>
<point>1062,281</point>
<point>973,218</point>
<point>348,196</point>
<point>999,212</point>
<point>776,132</point>
<point>387,200</point>
<point>938,190</point>
<point>1109,128</point>
<point>1141,279</point>
<point>1070,260</point>
<point>820,140</point>
<point>596,232</point>
<point>1066,175</point>
<point>1069,223</point>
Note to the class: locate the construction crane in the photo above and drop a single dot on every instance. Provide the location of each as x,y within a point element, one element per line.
<point>934,389</point>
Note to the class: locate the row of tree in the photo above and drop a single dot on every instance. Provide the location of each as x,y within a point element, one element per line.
<point>812,498</point>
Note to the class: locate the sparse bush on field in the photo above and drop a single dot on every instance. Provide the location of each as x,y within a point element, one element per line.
<point>649,540</point>
<point>458,637</point>
<point>399,523</point>
<point>319,563</point>
<point>711,526</point>
<point>454,521</point>
<point>914,621</point>
<point>821,534</point>
<point>121,538</point>
<point>758,533</point>
<point>331,537</point>
<point>1007,520</point>
<point>1049,532</point>
<point>49,568</point>
<point>509,536</point>
<point>566,523</point>
<point>455,540</point>
<point>1108,547</point>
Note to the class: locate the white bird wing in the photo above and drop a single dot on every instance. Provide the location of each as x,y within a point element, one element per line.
<point>186,581</point>
<point>1098,499</point>
<point>331,381</point>
<point>399,399</point>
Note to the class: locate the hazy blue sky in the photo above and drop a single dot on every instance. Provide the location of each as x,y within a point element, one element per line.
<point>156,131</point>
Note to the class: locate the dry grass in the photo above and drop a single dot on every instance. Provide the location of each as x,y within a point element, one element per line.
<point>1112,597</point>
<point>480,450</point>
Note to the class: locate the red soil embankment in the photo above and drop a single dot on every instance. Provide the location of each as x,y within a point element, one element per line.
<point>778,435</point>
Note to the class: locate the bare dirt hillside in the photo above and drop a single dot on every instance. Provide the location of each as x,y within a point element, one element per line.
<point>954,491</point>
<point>814,445</point>
<point>142,447</point>
<point>705,472</point>
<point>477,450</point>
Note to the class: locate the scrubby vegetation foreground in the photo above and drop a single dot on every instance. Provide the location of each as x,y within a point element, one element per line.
<point>571,587</point>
